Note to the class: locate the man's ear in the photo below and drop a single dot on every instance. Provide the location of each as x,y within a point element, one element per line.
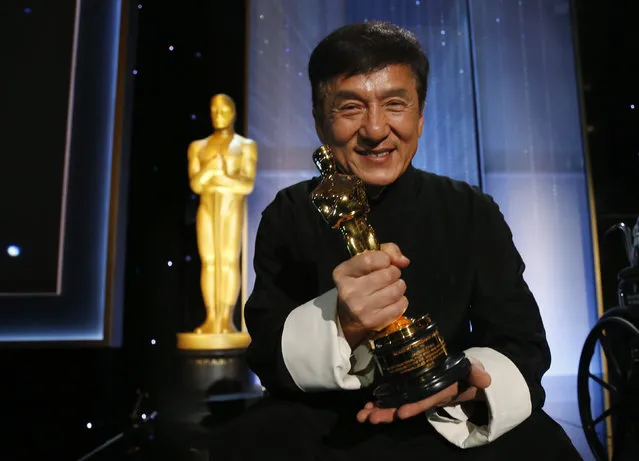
<point>420,121</point>
<point>319,128</point>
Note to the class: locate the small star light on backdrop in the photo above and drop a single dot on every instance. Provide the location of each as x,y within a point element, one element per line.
<point>13,251</point>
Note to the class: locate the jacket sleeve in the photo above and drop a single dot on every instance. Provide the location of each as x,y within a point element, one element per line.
<point>507,337</point>
<point>296,340</point>
<point>504,313</point>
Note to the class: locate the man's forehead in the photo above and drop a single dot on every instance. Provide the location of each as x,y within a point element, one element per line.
<point>396,78</point>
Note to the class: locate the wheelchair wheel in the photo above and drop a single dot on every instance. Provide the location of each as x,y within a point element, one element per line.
<point>617,337</point>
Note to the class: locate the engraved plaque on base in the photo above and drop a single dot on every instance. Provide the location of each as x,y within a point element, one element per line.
<point>413,363</point>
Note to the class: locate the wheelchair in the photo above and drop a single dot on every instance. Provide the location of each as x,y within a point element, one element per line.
<point>614,340</point>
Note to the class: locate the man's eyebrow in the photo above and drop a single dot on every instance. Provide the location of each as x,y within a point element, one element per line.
<point>341,95</point>
<point>346,94</point>
<point>401,92</point>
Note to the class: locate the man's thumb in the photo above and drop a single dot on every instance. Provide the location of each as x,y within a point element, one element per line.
<point>397,257</point>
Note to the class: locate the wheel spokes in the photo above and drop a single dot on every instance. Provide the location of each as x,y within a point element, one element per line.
<point>611,340</point>
<point>603,383</point>
<point>604,415</point>
<point>610,357</point>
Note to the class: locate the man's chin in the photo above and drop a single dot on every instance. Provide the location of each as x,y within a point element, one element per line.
<point>378,180</point>
<point>379,176</point>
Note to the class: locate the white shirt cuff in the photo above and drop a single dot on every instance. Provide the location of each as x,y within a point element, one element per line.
<point>507,397</point>
<point>316,353</point>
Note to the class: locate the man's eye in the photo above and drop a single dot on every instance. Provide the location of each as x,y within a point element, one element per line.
<point>349,107</point>
<point>396,104</point>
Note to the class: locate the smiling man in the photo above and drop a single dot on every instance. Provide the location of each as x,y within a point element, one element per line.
<point>447,252</point>
<point>373,122</point>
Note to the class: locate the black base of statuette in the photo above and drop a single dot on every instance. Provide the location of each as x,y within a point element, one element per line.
<point>393,394</point>
<point>211,386</point>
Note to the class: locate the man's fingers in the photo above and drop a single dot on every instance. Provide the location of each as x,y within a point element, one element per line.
<point>412,409</point>
<point>382,415</point>
<point>478,376</point>
<point>379,279</point>
<point>384,317</point>
<point>468,394</point>
<point>397,257</point>
<point>375,415</point>
<point>390,294</point>
<point>362,415</point>
<point>478,379</point>
<point>362,264</point>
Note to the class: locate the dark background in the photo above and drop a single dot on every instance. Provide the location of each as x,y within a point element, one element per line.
<point>52,394</point>
<point>35,100</point>
<point>32,163</point>
<point>609,77</point>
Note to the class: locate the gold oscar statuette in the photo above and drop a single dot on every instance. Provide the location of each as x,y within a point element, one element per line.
<point>411,356</point>
<point>221,171</point>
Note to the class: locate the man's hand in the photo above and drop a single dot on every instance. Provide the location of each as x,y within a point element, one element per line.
<point>477,379</point>
<point>370,292</point>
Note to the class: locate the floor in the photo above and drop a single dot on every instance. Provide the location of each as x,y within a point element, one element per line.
<point>85,405</point>
<point>561,405</point>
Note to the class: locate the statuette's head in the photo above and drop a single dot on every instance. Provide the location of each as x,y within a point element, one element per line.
<point>222,111</point>
<point>324,160</point>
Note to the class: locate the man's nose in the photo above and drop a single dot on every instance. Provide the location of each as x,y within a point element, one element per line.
<point>374,127</point>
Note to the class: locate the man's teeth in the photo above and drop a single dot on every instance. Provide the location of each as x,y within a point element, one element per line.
<point>380,154</point>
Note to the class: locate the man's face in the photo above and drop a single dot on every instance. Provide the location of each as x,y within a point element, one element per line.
<point>372,122</point>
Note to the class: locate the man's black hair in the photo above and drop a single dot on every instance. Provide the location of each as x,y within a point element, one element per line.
<point>363,48</point>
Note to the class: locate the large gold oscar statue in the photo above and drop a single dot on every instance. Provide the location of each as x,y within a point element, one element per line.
<point>222,172</point>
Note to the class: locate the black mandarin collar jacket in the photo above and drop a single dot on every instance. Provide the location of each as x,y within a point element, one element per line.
<point>465,271</point>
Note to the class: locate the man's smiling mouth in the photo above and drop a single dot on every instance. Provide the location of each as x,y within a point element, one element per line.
<point>377,153</point>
